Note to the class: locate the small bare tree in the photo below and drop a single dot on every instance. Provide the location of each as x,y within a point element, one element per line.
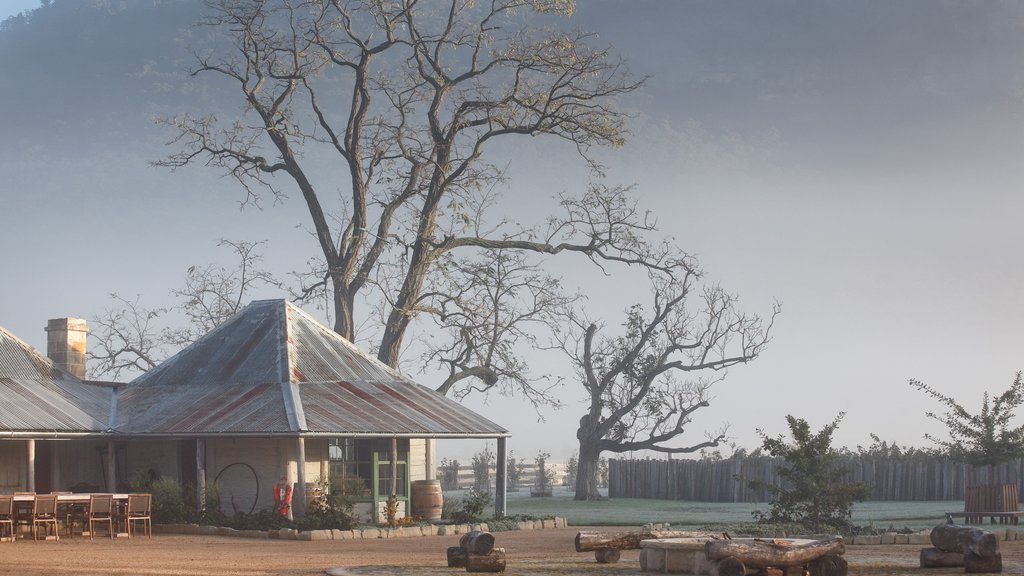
<point>635,401</point>
<point>130,338</point>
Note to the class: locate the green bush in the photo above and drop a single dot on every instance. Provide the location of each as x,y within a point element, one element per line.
<point>812,492</point>
<point>168,502</point>
<point>469,509</point>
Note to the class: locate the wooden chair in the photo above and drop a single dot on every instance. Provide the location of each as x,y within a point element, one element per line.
<point>101,509</point>
<point>138,510</point>
<point>44,515</point>
<point>71,513</point>
<point>23,511</point>
<point>7,516</point>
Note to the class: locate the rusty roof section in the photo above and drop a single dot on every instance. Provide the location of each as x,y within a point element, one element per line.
<point>37,398</point>
<point>273,369</point>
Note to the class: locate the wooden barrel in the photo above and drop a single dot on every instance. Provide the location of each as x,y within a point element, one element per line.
<point>426,499</point>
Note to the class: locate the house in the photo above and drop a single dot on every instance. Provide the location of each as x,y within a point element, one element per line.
<point>270,392</point>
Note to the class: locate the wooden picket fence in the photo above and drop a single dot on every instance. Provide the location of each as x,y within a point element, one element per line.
<point>893,479</point>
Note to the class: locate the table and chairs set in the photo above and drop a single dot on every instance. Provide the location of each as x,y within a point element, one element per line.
<point>48,515</point>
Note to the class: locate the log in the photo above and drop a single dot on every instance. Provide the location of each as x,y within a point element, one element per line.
<point>607,555</point>
<point>964,539</point>
<point>728,566</point>
<point>975,564</point>
<point>588,541</point>
<point>828,565</point>
<point>757,553</point>
<point>477,542</point>
<point>456,557</point>
<point>935,558</point>
<point>493,561</point>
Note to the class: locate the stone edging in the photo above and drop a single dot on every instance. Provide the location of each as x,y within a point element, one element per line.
<point>358,534</point>
<point>924,538</point>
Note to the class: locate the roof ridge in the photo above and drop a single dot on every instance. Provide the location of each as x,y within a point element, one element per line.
<point>347,343</point>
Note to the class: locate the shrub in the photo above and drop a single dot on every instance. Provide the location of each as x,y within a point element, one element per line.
<point>331,507</point>
<point>812,493</point>
<point>168,502</point>
<point>469,509</point>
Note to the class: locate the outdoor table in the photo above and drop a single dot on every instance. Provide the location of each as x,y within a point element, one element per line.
<point>120,500</point>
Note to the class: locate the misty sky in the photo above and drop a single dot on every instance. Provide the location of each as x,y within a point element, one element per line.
<point>861,162</point>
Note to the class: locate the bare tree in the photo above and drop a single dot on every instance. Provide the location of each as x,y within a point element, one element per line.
<point>131,338</point>
<point>126,339</point>
<point>213,293</point>
<point>635,401</point>
<point>407,96</point>
<point>489,312</point>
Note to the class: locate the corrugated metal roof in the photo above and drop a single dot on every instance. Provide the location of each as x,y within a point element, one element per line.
<point>35,396</point>
<point>396,407</point>
<point>272,368</point>
<point>222,409</point>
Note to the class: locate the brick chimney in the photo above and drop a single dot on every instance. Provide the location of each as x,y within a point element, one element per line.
<point>65,344</point>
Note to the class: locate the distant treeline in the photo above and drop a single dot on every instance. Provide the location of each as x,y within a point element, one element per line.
<point>900,477</point>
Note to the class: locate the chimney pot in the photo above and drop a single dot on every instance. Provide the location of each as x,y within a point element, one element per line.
<point>65,344</point>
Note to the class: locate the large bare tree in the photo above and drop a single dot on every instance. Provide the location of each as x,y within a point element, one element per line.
<point>393,105</point>
<point>635,399</point>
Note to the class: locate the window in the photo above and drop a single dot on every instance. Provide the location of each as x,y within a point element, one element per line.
<point>368,461</point>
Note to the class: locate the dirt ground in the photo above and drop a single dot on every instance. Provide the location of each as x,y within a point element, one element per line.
<point>528,552</point>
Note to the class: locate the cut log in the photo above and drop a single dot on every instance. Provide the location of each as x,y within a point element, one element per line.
<point>493,561</point>
<point>456,557</point>
<point>728,566</point>
<point>477,542</point>
<point>588,541</point>
<point>953,538</point>
<point>607,555</point>
<point>828,565</point>
<point>757,553</point>
<point>935,558</point>
<point>975,564</point>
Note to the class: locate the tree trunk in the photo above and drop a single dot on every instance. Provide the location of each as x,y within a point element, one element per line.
<point>935,558</point>
<point>828,565</point>
<point>975,564</point>
<point>456,557</point>
<point>630,540</point>
<point>477,542</point>
<point>761,553</point>
<point>586,472</point>
<point>964,539</point>
<point>343,309</point>
<point>607,555</point>
<point>728,566</point>
<point>494,561</point>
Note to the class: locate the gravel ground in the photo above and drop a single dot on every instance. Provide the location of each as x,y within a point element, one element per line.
<point>529,552</point>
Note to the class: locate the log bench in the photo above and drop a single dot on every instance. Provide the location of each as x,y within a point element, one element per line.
<point>953,546</point>
<point>734,557</point>
<point>607,545</point>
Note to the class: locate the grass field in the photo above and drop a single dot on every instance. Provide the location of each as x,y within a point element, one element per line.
<point>688,515</point>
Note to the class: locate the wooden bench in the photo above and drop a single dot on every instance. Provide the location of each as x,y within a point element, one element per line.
<point>979,517</point>
<point>540,492</point>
